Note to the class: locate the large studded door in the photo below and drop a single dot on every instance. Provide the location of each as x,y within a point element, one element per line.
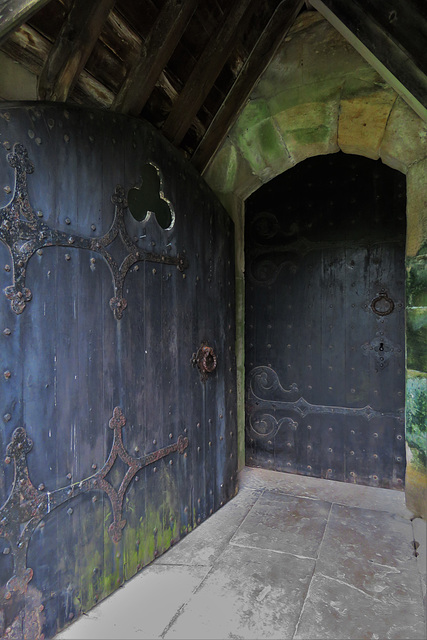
<point>117,372</point>
<point>325,322</point>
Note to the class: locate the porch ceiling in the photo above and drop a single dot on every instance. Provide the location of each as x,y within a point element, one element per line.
<point>189,66</point>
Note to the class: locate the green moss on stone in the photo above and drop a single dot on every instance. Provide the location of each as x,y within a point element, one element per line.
<point>263,148</point>
<point>254,135</point>
<point>222,172</point>
<point>416,282</point>
<point>422,252</point>
<point>255,112</point>
<point>416,417</point>
<point>416,335</point>
<point>270,141</point>
<point>251,151</point>
<point>314,93</point>
<point>312,135</point>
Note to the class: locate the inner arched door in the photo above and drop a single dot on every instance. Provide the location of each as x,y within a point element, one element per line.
<point>325,347</point>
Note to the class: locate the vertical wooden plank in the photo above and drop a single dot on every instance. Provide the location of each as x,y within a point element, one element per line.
<point>157,436</point>
<point>333,352</point>
<point>226,432</point>
<point>190,287</point>
<point>38,357</point>
<point>191,290</point>
<point>113,339</point>
<point>10,388</point>
<point>210,335</point>
<point>11,413</point>
<point>221,430</point>
<point>134,373</point>
<point>93,415</point>
<point>67,391</point>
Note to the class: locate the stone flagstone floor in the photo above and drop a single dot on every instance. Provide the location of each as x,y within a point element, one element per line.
<point>289,558</point>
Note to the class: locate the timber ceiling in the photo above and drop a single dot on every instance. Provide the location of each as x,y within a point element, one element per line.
<point>189,66</point>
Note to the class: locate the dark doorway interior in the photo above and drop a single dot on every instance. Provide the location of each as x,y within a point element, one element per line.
<point>325,341</point>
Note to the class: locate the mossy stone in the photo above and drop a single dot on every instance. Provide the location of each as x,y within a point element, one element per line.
<point>416,337</point>
<point>416,416</point>
<point>416,281</point>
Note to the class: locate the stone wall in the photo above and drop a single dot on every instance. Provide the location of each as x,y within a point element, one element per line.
<point>319,96</point>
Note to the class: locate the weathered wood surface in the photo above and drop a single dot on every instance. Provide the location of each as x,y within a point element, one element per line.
<point>157,49</point>
<point>257,61</point>
<point>323,239</point>
<point>13,13</point>
<point>31,49</point>
<point>72,362</point>
<point>203,75</point>
<point>72,48</point>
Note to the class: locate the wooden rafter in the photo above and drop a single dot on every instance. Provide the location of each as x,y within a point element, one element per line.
<point>394,33</point>
<point>257,61</point>
<point>30,49</point>
<point>72,48</point>
<point>156,51</point>
<point>130,46</point>
<point>204,74</point>
<point>13,13</point>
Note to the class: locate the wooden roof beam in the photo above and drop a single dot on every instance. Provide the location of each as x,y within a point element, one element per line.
<point>155,54</point>
<point>13,13</point>
<point>257,61</point>
<point>204,74</point>
<point>72,48</point>
<point>391,36</point>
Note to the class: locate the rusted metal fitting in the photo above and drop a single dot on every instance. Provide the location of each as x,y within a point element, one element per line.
<point>382,305</point>
<point>205,360</point>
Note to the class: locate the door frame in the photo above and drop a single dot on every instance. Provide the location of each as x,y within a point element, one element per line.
<point>402,152</point>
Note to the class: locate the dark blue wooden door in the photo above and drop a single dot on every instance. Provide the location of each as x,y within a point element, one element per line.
<point>325,322</point>
<point>117,391</point>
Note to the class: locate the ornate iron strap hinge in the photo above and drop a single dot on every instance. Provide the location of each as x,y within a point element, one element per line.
<point>26,506</point>
<point>266,392</point>
<point>24,233</point>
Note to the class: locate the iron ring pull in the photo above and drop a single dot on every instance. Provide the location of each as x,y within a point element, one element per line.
<point>205,359</point>
<point>376,304</point>
<point>208,360</point>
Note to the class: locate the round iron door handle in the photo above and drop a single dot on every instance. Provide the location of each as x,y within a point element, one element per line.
<point>205,359</point>
<point>208,359</point>
<point>378,302</point>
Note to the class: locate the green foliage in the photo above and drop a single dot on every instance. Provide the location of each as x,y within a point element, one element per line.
<point>416,417</point>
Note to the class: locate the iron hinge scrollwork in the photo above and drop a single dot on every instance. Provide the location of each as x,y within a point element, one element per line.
<point>205,360</point>
<point>266,390</point>
<point>24,233</point>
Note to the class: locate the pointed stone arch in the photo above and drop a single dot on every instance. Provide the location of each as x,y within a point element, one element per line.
<point>319,96</point>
